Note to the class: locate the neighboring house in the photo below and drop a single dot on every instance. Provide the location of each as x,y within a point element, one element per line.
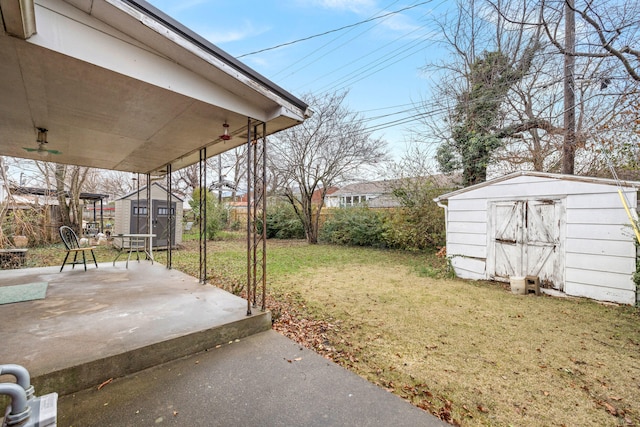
<point>572,232</point>
<point>132,216</point>
<point>377,194</point>
<point>372,194</point>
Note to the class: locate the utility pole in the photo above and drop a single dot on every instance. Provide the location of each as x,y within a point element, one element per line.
<point>569,145</point>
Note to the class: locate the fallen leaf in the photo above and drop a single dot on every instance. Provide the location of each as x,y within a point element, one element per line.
<point>482,409</point>
<point>105,383</point>
<point>175,413</point>
<point>610,408</point>
<point>546,393</point>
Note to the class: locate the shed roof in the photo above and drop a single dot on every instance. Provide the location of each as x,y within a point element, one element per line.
<point>35,191</point>
<point>143,189</point>
<point>120,85</point>
<point>577,178</point>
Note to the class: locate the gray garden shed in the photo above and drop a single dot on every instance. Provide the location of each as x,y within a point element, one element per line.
<point>572,232</point>
<point>131,216</point>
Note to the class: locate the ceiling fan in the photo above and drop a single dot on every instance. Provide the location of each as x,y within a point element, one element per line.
<point>42,141</point>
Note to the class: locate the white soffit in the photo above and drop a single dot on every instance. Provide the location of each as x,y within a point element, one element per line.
<point>120,89</point>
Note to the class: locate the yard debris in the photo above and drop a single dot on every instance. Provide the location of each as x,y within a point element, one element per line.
<point>105,383</point>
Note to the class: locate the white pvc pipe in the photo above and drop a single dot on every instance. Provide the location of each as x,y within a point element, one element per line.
<point>18,399</point>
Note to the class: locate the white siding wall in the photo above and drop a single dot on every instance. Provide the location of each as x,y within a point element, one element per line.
<point>600,252</point>
<point>599,246</point>
<point>467,237</point>
<point>123,217</point>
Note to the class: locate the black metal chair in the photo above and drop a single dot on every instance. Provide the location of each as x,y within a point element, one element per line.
<point>72,244</point>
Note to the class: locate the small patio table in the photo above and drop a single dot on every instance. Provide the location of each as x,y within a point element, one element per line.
<point>136,242</point>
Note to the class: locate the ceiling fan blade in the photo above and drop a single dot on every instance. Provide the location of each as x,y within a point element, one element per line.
<point>30,150</point>
<point>54,151</point>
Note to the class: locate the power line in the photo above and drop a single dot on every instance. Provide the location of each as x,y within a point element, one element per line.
<point>310,54</point>
<point>334,30</point>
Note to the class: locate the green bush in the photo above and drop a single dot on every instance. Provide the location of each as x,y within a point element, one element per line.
<point>356,226</point>
<point>282,222</point>
<point>419,223</point>
<point>217,214</point>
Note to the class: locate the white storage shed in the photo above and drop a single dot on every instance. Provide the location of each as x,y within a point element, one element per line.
<point>131,216</point>
<point>572,232</point>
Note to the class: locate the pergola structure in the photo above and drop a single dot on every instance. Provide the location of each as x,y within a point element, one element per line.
<point>91,197</point>
<point>117,84</point>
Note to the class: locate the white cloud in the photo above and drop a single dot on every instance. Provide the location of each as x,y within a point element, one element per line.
<point>244,31</point>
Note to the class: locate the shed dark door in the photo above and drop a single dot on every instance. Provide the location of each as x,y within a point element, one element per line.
<point>161,222</point>
<point>139,223</point>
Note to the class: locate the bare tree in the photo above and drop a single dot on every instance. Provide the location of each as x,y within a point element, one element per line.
<point>530,122</point>
<point>68,182</point>
<point>599,43</point>
<point>326,150</point>
<point>608,29</point>
<point>234,169</point>
<point>490,57</point>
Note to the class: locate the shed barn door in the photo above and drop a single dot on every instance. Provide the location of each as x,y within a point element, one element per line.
<point>544,224</point>
<point>526,240</point>
<point>507,238</point>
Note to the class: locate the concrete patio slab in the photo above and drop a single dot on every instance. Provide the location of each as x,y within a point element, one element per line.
<point>111,321</point>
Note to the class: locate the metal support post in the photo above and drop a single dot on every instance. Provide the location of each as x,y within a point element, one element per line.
<point>256,222</point>
<point>149,217</point>
<point>170,218</point>
<point>203,215</point>
<point>249,218</point>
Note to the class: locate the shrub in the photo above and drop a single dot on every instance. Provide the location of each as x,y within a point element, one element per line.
<point>217,214</point>
<point>355,226</point>
<point>419,224</point>
<point>282,222</point>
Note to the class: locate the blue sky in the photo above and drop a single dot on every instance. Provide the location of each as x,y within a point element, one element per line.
<point>378,61</point>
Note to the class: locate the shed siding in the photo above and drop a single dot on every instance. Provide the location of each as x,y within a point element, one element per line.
<point>468,227</point>
<point>123,216</point>
<point>599,293</point>
<point>598,246</point>
<point>600,262</point>
<point>598,232</point>
<point>601,247</point>
<point>475,251</point>
<point>469,268</point>
<point>479,216</point>
<point>467,239</point>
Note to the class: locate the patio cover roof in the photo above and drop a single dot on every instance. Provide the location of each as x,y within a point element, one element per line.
<point>119,85</point>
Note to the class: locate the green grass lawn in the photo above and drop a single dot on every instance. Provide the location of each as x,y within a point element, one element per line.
<point>470,352</point>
